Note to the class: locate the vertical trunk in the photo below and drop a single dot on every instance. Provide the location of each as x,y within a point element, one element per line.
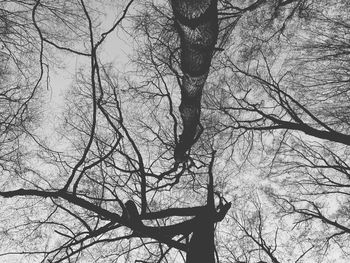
<point>201,247</point>
<point>197,25</point>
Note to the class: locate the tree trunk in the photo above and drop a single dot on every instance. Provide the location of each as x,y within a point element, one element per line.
<point>201,247</point>
<point>197,25</point>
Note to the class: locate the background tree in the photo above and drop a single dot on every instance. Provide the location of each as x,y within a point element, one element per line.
<point>280,101</point>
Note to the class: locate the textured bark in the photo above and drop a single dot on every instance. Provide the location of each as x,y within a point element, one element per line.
<point>197,25</point>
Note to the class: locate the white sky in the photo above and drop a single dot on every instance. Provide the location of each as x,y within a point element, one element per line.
<point>115,49</point>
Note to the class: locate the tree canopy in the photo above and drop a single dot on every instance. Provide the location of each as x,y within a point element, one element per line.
<point>191,131</point>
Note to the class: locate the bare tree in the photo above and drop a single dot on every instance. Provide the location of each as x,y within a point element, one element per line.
<point>106,187</point>
<point>274,139</point>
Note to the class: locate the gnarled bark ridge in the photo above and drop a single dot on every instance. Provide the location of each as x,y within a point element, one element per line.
<point>197,25</point>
